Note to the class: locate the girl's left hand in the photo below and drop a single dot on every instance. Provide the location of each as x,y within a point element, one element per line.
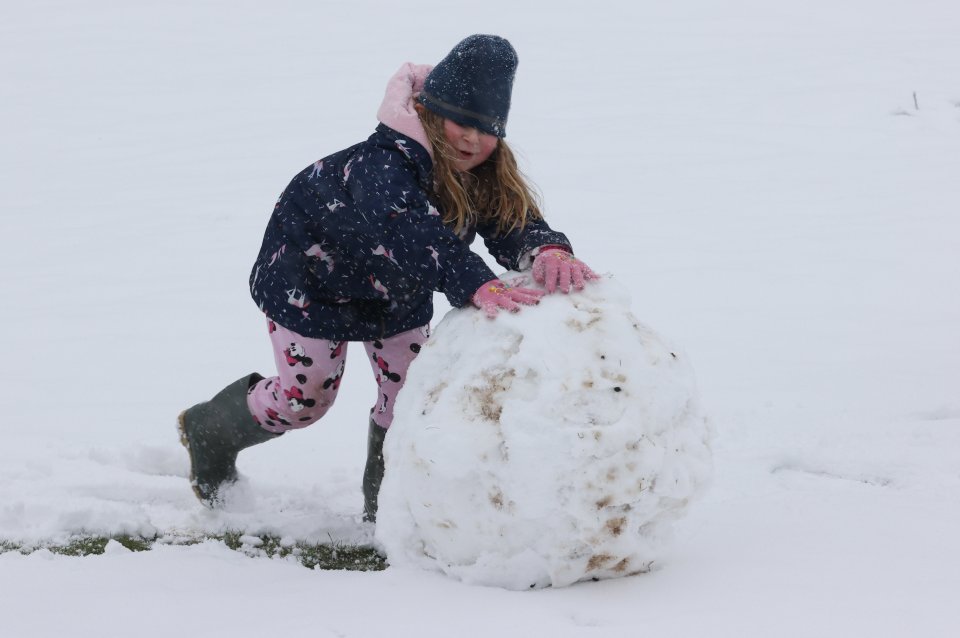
<point>556,266</point>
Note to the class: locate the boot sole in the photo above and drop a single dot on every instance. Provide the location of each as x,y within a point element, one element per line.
<point>185,442</point>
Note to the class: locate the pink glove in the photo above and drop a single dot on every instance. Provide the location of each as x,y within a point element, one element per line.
<point>496,294</point>
<point>555,264</point>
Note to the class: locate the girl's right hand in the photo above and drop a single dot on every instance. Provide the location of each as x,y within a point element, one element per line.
<point>555,269</point>
<point>495,294</point>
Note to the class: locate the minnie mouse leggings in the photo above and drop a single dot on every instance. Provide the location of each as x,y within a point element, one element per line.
<point>310,371</point>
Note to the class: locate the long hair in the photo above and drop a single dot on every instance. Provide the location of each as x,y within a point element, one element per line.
<point>495,190</point>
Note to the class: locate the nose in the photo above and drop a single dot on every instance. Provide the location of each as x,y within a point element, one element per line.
<point>471,135</point>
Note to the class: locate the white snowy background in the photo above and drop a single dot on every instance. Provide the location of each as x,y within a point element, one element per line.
<point>758,174</point>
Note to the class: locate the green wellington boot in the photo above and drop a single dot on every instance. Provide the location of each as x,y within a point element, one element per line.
<point>373,472</point>
<point>214,432</point>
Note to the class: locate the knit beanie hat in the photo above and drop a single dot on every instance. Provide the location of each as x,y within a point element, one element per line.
<point>472,85</point>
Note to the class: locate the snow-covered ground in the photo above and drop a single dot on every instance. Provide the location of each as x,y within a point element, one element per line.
<point>776,184</point>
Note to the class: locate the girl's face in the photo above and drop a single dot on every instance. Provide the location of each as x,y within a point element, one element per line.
<point>472,147</point>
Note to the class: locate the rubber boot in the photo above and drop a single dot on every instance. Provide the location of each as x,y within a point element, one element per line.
<point>214,432</point>
<point>373,472</point>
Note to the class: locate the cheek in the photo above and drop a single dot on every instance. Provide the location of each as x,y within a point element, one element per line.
<point>487,147</point>
<point>451,131</point>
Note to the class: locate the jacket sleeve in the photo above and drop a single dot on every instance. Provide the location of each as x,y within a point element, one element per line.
<point>515,250</point>
<point>416,250</point>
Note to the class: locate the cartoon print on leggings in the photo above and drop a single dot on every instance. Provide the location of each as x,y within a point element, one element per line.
<point>334,380</point>
<point>270,387</point>
<point>273,419</point>
<point>297,401</point>
<point>384,370</point>
<point>382,407</point>
<point>313,369</point>
<point>383,374</point>
<point>425,333</point>
<point>295,354</point>
<point>384,366</point>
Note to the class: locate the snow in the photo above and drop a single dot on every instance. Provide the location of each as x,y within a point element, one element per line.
<point>756,175</point>
<point>544,448</point>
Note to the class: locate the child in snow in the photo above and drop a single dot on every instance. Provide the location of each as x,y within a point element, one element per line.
<point>359,241</point>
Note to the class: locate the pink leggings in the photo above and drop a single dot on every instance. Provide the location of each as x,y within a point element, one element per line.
<point>310,371</point>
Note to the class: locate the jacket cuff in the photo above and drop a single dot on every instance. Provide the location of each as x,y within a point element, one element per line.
<point>526,259</point>
<point>460,292</point>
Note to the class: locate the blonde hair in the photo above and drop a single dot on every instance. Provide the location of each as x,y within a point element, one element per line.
<point>495,190</point>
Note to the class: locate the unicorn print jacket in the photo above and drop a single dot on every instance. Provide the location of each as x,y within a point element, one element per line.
<point>355,248</point>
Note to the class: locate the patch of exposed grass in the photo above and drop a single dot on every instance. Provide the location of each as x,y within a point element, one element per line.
<point>96,545</point>
<point>315,556</point>
<point>93,546</point>
<point>332,556</point>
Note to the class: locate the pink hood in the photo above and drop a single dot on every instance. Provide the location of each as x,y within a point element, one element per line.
<point>397,110</point>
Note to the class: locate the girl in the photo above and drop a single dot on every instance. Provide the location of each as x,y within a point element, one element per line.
<point>359,241</point>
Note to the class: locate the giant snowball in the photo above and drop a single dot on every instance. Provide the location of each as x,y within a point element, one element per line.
<point>544,447</point>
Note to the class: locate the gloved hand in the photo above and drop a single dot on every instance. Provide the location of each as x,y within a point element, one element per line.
<point>556,265</point>
<point>495,294</point>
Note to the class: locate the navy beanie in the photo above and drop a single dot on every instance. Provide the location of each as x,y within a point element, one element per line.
<point>472,85</point>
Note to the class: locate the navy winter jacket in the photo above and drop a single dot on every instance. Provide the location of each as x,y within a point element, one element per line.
<point>355,248</point>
